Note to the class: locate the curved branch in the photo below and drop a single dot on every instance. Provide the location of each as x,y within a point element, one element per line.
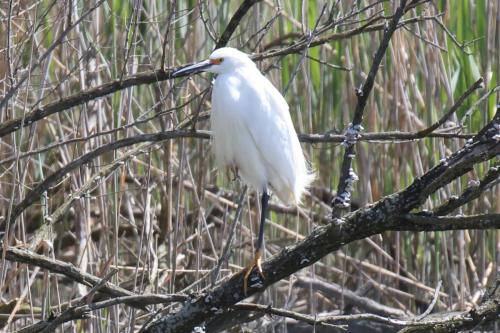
<point>12,125</point>
<point>382,216</point>
<point>159,75</point>
<point>38,190</point>
<point>66,269</point>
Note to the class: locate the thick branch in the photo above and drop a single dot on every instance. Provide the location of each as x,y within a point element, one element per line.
<point>442,223</point>
<point>82,310</point>
<point>382,216</point>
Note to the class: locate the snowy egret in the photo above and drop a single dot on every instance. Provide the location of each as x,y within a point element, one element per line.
<point>253,133</point>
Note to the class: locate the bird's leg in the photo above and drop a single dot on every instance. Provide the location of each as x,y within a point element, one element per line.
<point>260,242</point>
<point>235,171</point>
<point>232,173</point>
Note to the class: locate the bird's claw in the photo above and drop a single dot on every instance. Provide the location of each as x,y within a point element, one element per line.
<point>257,263</point>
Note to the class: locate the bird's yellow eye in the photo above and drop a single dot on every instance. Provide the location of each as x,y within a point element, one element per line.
<point>216,61</point>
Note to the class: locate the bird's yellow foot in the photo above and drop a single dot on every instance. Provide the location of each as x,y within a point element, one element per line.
<point>256,281</point>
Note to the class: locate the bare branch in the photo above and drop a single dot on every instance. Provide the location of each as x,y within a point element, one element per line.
<point>235,22</point>
<point>66,269</point>
<point>333,290</point>
<point>476,85</point>
<point>447,322</point>
<point>347,176</point>
<point>158,75</point>
<point>440,223</point>
<point>373,137</point>
<point>82,311</point>
<point>472,192</point>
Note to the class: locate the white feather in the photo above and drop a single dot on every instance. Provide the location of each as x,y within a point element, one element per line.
<point>252,129</point>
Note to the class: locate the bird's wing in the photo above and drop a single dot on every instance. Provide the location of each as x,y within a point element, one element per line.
<point>270,125</point>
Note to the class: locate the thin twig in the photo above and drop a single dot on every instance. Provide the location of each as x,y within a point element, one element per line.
<point>432,304</point>
<point>173,5</point>
<point>224,257</point>
<point>476,85</point>
<point>48,52</point>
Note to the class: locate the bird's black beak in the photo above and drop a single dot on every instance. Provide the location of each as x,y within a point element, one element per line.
<point>192,69</point>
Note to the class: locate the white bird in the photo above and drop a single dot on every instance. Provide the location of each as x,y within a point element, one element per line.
<point>253,133</point>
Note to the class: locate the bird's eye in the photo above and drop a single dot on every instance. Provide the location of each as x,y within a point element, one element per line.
<point>216,61</point>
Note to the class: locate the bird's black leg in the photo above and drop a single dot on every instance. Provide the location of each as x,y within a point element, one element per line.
<point>260,241</point>
<point>263,215</point>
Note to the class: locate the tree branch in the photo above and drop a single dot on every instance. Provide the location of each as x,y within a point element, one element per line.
<point>376,137</point>
<point>384,215</point>
<point>65,268</point>
<point>82,310</point>
<point>43,186</point>
<point>472,192</point>
<point>158,75</point>
<point>441,223</point>
<point>347,176</point>
<point>486,312</point>
<point>333,290</point>
<point>476,85</point>
<point>234,22</point>
<point>12,125</point>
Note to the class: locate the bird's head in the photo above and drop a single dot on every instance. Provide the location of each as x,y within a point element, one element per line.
<point>221,61</point>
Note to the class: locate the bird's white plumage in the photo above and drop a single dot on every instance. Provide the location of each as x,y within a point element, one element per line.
<point>252,128</point>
